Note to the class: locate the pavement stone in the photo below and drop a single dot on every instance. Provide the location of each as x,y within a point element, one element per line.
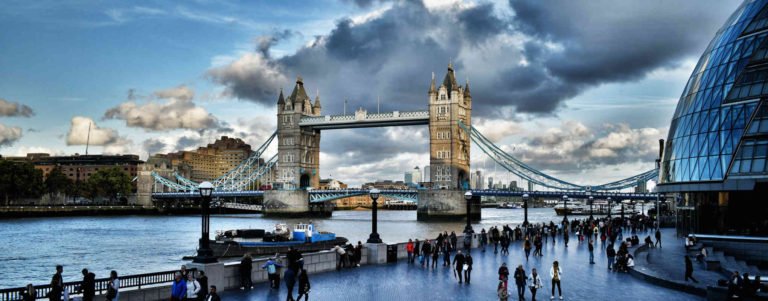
<point>402,281</point>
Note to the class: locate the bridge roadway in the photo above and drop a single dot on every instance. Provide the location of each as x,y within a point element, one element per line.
<point>363,119</point>
<point>317,196</point>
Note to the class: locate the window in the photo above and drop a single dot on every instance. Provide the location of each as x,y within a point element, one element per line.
<point>443,135</point>
<point>443,154</point>
<point>442,96</point>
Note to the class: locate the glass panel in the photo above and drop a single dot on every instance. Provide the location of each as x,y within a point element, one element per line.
<point>758,165</point>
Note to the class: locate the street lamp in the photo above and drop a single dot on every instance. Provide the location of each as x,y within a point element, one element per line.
<point>565,208</point>
<point>204,252</point>
<point>609,207</point>
<point>468,197</point>
<point>622,213</point>
<point>591,200</point>
<point>525,207</point>
<point>374,237</point>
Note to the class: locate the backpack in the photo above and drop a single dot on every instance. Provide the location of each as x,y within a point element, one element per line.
<point>271,268</point>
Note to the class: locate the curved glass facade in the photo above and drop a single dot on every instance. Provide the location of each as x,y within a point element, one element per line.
<point>720,127</point>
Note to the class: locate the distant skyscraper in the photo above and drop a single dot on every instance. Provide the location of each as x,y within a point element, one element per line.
<point>513,185</point>
<point>478,181</point>
<point>530,186</point>
<point>473,181</point>
<point>642,187</point>
<point>408,177</point>
<point>416,175</point>
<point>490,182</point>
<point>426,174</point>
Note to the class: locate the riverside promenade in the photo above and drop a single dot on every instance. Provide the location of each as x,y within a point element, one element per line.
<point>403,281</point>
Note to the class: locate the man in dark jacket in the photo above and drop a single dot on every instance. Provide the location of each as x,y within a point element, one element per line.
<point>293,257</point>
<point>611,253</point>
<point>89,285</point>
<point>658,239</point>
<point>689,269</point>
<point>468,271</point>
<point>57,285</point>
<point>246,265</point>
<point>212,296</point>
<point>426,251</point>
<point>458,263</point>
<point>203,281</point>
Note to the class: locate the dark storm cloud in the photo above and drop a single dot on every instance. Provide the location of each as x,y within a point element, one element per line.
<point>154,146</point>
<point>531,62</point>
<point>264,43</point>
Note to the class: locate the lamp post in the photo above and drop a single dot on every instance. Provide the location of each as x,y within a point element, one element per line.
<point>468,198</point>
<point>204,252</point>
<point>565,208</point>
<point>591,200</point>
<point>658,210</point>
<point>622,212</point>
<point>525,208</point>
<point>374,237</point>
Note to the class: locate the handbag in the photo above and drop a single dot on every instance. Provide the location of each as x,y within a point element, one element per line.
<point>465,267</point>
<point>111,293</point>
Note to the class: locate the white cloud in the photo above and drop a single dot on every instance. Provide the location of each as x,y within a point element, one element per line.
<point>177,112</point>
<point>78,133</point>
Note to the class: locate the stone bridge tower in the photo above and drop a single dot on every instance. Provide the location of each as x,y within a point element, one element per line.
<point>448,143</point>
<point>298,148</point>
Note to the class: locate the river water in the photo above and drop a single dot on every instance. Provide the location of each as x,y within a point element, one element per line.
<point>30,248</point>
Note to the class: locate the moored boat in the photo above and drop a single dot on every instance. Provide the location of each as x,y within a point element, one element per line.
<point>258,242</point>
<point>508,205</point>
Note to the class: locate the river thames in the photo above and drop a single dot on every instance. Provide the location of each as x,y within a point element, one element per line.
<point>32,247</point>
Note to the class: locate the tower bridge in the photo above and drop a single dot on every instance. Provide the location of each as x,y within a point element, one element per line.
<point>294,170</point>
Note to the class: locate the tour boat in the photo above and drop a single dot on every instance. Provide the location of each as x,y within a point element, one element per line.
<point>236,243</point>
<point>507,205</point>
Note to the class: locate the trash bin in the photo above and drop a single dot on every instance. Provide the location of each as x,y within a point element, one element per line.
<point>391,253</point>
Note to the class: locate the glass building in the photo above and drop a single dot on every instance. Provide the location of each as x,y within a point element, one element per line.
<point>715,154</point>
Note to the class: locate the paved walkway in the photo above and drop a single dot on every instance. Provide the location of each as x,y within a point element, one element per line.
<point>401,281</point>
<point>668,263</point>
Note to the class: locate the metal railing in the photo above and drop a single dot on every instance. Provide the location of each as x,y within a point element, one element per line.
<point>74,287</point>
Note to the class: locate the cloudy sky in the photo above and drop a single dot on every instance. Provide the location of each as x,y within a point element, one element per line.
<point>582,90</point>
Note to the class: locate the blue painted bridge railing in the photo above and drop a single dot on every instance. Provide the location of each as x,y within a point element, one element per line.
<point>316,196</point>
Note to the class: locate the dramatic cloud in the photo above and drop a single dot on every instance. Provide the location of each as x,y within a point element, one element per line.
<point>573,147</point>
<point>177,111</point>
<point>12,109</point>
<point>9,134</point>
<point>78,133</point>
<point>530,62</point>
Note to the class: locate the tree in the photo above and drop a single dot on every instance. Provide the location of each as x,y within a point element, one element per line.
<point>57,182</point>
<point>110,183</point>
<point>19,180</point>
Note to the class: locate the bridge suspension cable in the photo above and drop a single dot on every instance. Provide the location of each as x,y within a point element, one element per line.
<point>529,173</point>
<point>237,179</point>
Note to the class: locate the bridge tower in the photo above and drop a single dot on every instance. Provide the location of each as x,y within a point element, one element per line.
<point>299,153</point>
<point>449,151</point>
<point>448,143</point>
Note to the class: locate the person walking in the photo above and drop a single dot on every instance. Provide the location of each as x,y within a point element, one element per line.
<point>658,239</point>
<point>409,249</point>
<point>193,288</point>
<point>502,291</point>
<point>416,250</point>
<point>303,285</point>
<point>454,240</point>
<point>527,247</point>
<point>426,251</point>
<point>212,295</point>
<point>246,265</point>
<point>435,256</point>
<point>274,278</point>
<point>358,253</point>
<point>458,263</point>
<point>57,285</point>
<point>178,288</point>
<point>467,267</point>
<point>611,253</point>
<point>113,287</point>
<point>556,273</point>
<point>504,273</point>
<point>591,248</point>
<point>340,258</point>
<point>520,280</point>
<point>289,277</point>
<point>535,284</point>
<point>89,285</point>
<point>446,256</point>
<point>203,281</point>
<point>689,270</point>
<point>483,239</point>
<point>565,236</point>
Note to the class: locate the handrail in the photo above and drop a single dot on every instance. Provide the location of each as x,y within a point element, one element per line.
<point>74,287</point>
